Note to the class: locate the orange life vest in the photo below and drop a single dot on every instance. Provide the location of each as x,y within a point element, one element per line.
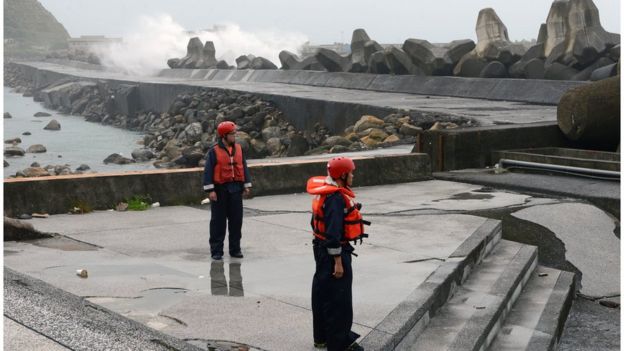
<point>229,167</point>
<point>353,222</point>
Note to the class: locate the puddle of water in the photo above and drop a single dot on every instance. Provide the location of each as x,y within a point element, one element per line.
<point>63,243</point>
<point>468,196</point>
<point>220,286</point>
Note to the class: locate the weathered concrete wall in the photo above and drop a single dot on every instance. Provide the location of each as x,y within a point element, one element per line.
<point>184,187</point>
<point>453,149</point>
<point>522,90</point>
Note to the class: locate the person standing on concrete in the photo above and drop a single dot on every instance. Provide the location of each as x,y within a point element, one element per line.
<point>226,180</point>
<point>336,220</point>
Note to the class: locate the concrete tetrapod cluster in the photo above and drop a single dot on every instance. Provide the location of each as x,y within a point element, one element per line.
<point>202,56</point>
<point>572,45</point>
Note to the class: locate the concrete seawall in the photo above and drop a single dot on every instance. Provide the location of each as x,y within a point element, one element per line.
<point>59,194</point>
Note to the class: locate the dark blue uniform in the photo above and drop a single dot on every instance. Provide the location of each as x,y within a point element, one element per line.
<point>332,302</point>
<point>228,209</point>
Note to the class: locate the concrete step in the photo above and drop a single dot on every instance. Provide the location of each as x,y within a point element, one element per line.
<point>536,320</point>
<point>414,313</point>
<point>472,317</point>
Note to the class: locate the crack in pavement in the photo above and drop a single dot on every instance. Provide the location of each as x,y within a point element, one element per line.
<point>177,320</point>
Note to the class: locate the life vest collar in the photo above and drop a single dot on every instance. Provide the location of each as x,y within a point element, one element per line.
<point>320,185</point>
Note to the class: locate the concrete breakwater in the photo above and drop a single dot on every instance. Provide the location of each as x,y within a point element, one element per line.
<point>102,191</point>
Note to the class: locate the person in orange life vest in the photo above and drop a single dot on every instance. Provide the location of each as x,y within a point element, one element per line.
<point>335,221</point>
<point>226,180</point>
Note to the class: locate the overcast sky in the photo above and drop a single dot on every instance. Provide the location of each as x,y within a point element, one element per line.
<point>322,21</point>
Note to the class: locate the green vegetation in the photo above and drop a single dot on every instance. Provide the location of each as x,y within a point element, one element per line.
<point>139,203</point>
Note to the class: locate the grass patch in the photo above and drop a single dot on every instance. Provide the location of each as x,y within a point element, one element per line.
<point>139,203</point>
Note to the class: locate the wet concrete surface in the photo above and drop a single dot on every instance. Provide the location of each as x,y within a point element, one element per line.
<point>155,267</point>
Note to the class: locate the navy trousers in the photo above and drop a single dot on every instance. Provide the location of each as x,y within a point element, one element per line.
<point>227,210</point>
<point>332,301</point>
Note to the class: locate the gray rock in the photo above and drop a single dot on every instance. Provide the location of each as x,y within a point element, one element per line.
<point>518,69</point>
<point>42,114</point>
<point>27,133</point>
<point>192,155</point>
<point>13,141</point>
<point>298,146</point>
<point>367,121</point>
<point>83,167</point>
<point>117,159</point>
<point>336,140</point>
<point>493,41</point>
<point>371,47</point>
<point>142,155</point>
<point>494,69</point>
<point>6,164</point>
<point>36,149</point>
<point>337,149</point>
<point>53,125</point>
<point>614,53</point>
<point>408,129</point>
<point>35,164</point>
<point>332,61</point>
<point>271,132</point>
<point>14,151</point>
<point>173,62</point>
<point>291,61</point>
<point>534,69</point>
<point>35,172</point>
<point>193,132</point>
<point>7,115</point>
<point>274,146</point>
<point>262,63</point>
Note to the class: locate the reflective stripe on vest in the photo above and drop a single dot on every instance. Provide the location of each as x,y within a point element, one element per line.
<point>229,167</point>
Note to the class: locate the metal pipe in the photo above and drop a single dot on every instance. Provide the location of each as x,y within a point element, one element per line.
<point>505,163</point>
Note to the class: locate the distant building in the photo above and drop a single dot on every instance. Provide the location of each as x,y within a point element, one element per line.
<point>88,42</point>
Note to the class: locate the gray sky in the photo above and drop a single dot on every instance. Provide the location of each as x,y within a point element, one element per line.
<point>322,21</point>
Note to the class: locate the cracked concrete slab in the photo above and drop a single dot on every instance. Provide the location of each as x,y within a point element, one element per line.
<point>590,243</point>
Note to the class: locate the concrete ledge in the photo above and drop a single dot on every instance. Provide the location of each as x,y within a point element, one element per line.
<point>184,187</point>
<point>412,315</point>
<point>452,149</point>
<point>522,90</point>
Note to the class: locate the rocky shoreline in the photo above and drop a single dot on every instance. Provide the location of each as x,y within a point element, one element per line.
<point>180,137</point>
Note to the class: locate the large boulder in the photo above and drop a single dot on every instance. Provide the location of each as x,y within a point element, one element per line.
<point>14,151</point>
<point>53,125</point>
<point>36,149</point>
<point>556,26</point>
<point>117,159</point>
<point>42,114</point>
<point>7,115</point>
<point>457,49</point>
<point>298,146</point>
<point>332,61</point>
<point>366,122</point>
<point>262,63</point>
<point>586,73</point>
<point>590,113</point>
<point>558,71</point>
<point>469,66</point>
<point>604,72</point>
<point>32,172</point>
<point>142,155</point>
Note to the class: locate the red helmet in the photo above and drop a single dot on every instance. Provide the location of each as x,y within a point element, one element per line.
<point>338,166</point>
<point>226,128</point>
